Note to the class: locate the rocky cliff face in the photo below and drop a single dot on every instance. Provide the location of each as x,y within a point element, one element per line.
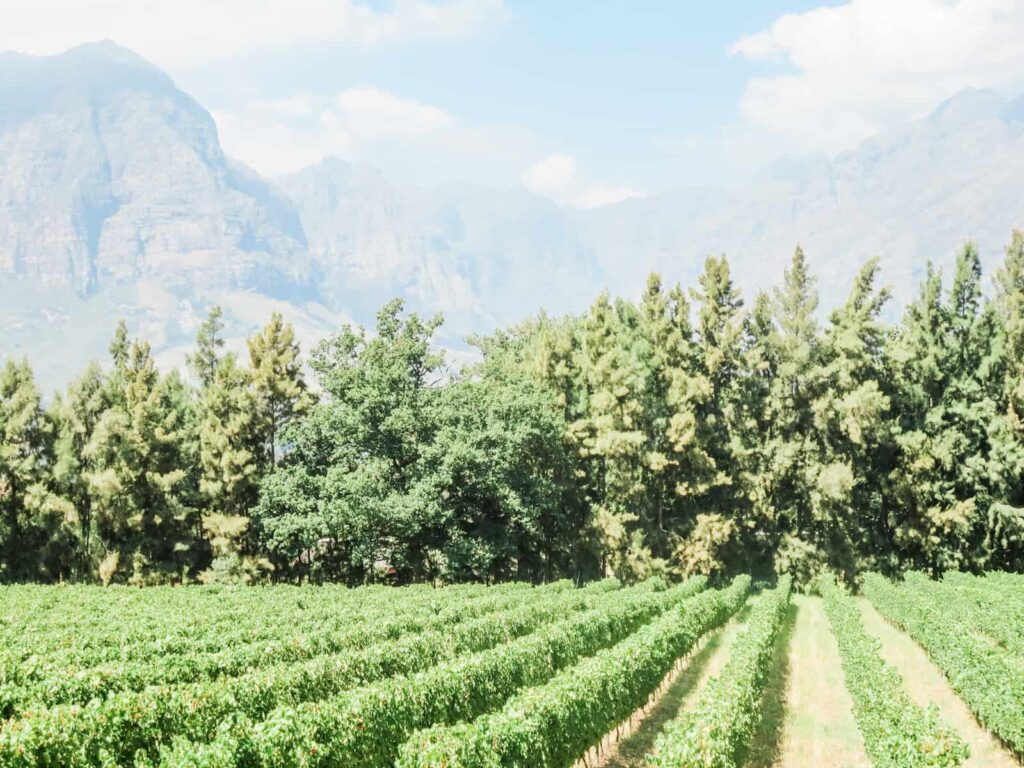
<point>482,256</point>
<point>109,174</point>
<point>116,200</point>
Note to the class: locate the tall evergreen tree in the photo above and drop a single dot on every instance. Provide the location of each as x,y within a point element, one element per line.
<point>278,381</point>
<point>139,494</point>
<point>790,453</point>
<point>206,358</point>
<point>31,525</point>
<point>612,432</point>
<point>719,335</point>
<point>678,465</point>
<point>850,411</point>
<point>77,414</point>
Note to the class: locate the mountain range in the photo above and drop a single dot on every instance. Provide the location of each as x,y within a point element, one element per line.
<point>117,200</point>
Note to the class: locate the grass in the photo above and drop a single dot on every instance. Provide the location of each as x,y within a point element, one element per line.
<point>926,685</point>
<point>631,750</point>
<point>808,712</point>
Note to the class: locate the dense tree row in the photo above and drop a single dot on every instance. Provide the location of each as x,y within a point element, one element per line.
<point>686,432</point>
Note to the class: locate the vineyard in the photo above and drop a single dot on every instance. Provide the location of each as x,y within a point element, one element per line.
<point>907,675</point>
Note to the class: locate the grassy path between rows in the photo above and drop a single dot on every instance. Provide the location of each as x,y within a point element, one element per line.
<point>808,714</point>
<point>926,685</point>
<point>630,750</point>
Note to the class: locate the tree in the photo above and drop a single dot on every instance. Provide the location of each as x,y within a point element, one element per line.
<point>277,379</point>
<point>205,361</point>
<point>139,494</point>
<point>679,468</point>
<point>949,370</point>
<point>788,446</point>
<point>850,410</point>
<point>77,415</point>
<point>358,453</point>
<point>33,535</point>
<point>1009,299</point>
<point>1005,528</point>
<point>719,336</point>
<point>611,434</point>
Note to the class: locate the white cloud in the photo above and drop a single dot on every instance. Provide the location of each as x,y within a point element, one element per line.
<point>600,195</point>
<point>371,112</point>
<point>869,63</point>
<point>276,137</point>
<point>187,32</point>
<point>556,177</point>
<point>552,176</point>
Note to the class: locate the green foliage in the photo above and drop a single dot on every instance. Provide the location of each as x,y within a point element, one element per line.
<point>127,722</point>
<point>276,376</point>
<point>716,731</point>
<point>367,727</point>
<point>897,733</point>
<point>988,678</point>
<point>686,432</point>
<point>32,526</point>
<point>553,725</point>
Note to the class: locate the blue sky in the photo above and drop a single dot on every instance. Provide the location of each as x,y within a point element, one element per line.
<point>585,102</point>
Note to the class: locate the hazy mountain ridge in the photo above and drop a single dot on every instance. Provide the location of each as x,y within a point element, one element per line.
<point>116,199</point>
<point>909,195</point>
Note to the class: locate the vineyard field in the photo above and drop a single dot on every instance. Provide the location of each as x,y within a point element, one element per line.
<point>914,674</point>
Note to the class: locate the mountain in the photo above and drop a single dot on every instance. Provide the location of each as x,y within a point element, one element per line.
<point>117,200</point>
<point>483,256</point>
<point>910,195</point>
<point>111,175</point>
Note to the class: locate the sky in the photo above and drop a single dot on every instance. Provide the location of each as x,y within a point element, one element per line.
<point>584,101</point>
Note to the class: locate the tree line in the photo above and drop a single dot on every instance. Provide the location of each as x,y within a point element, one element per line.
<point>687,432</point>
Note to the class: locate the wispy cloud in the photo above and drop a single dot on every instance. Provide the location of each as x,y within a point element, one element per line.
<point>187,32</point>
<point>281,136</point>
<point>859,67</point>
<point>557,177</point>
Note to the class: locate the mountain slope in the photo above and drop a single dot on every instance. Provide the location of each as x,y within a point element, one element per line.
<point>116,200</point>
<point>910,195</point>
<point>482,256</point>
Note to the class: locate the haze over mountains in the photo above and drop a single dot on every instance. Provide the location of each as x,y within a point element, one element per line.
<point>116,200</point>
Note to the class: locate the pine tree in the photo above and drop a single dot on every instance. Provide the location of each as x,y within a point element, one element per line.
<point>611,435</point>
<point>1009,298</point>
<point>789,450</point>
<point>77,414</point>
<point>948,366</point>
<point>678,466</point>
<point>1005,524</point>
<point>719,335</point>
<point>209,342</point>
<point>850,412</point>
<point>34,532</point>
<point>277,379</point>
<point>138,484</point>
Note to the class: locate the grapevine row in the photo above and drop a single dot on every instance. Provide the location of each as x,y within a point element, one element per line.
<point>366,727</point>
<point>59,682</point>
<point>128,722</point>
<point>987,678</point>
<point>717,730</point>
<point>897,733</point>
<point>555,724</point>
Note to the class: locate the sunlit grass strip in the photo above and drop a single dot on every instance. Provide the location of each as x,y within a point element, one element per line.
<point>716,732</point>
<point>988,679</point>
<point>897,733</point>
